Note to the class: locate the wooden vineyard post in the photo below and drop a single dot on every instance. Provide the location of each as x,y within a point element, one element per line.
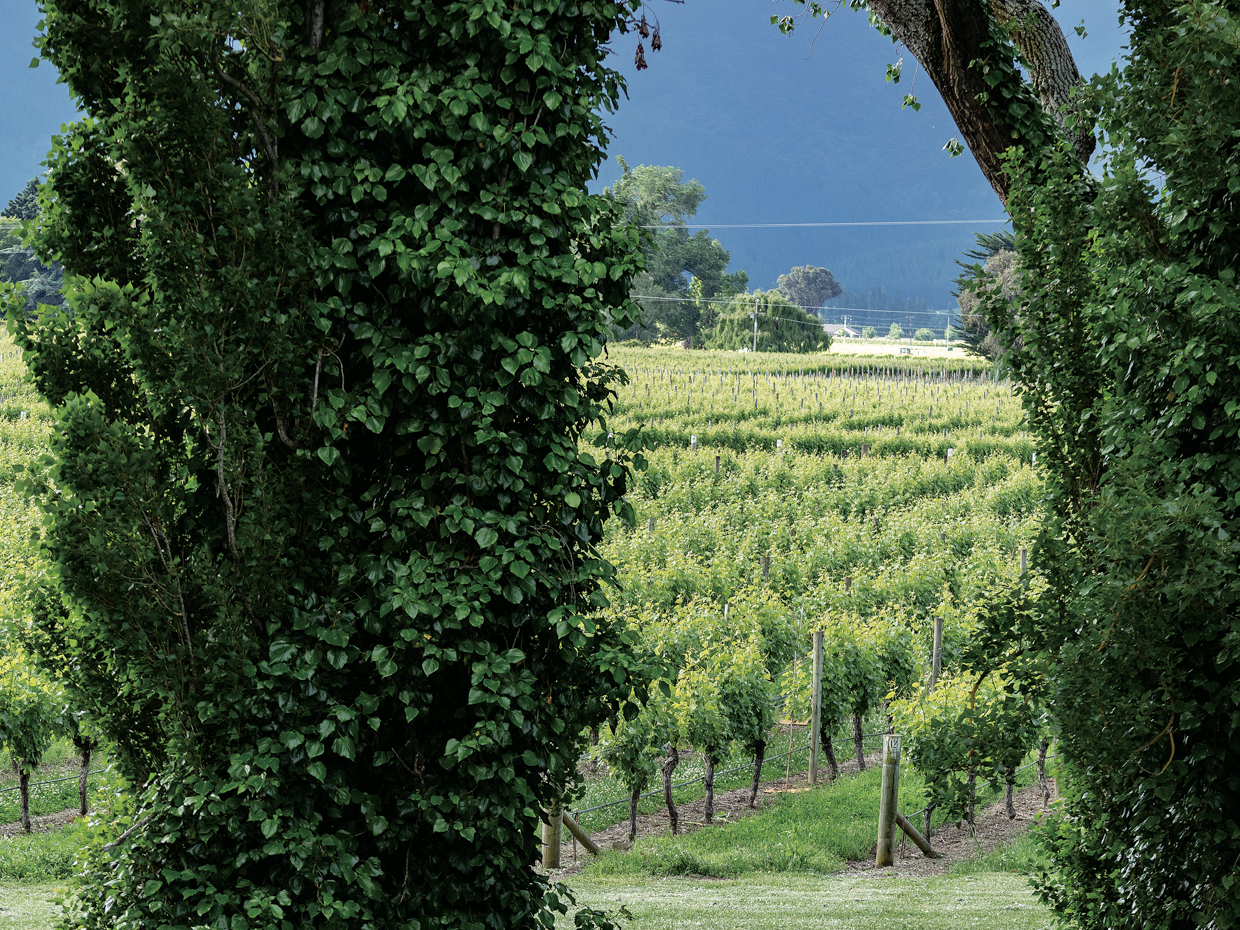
<point>716,464</point>
<point>551,838</point>
<point>581,835</point>
<point>888,800</point>
<point>651,525</point>
<point>936,664</point>
<point>815,713</point>
<point>766,568</point>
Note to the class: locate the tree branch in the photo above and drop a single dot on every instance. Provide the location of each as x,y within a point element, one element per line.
<point>951,39</point>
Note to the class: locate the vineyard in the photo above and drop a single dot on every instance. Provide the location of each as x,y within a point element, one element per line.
<point>820,404</point>
<point>780,495</point>
<point>864,498</point>
<point>33,711</point>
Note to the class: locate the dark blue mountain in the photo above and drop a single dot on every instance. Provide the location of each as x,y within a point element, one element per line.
<point>804,128</point>
<point>780,129</point>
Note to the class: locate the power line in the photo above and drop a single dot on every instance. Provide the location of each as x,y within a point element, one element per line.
<point>822,225</point>
<point>904,313</point>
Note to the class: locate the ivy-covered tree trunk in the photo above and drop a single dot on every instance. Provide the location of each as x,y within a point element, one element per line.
<point>1127,353</point>
<point>318,503</point>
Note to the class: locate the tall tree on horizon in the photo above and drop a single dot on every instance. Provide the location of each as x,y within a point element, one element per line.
<point>684,271</point>
<point>809,286</point>
<point>25,203</point>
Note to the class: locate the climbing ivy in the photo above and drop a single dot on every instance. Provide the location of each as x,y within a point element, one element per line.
<point>322,500</point>
<point>1125,347</point>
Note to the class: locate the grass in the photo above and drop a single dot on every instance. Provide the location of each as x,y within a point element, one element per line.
<point>27,907</point>
<point>41,857</point>
<point>810,831</point>
<point>771,901</point>
<point>768,863</point>
<point>600,789</point>
<point>1022,856</point>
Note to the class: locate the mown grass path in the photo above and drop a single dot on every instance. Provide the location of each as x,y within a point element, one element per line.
<point>765,901</point>
<point>27,907</point>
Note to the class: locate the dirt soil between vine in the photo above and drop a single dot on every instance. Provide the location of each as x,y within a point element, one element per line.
<point>44,823</point>
<point>993,827</point>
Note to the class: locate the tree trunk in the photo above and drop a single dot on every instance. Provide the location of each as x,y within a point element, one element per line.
<point>830,751</point>
<point>859,742</point>
<point>972,794</point>
<point>1043,784</point>
<point>926,828</point>
<point>948,36</point>
<point>759,755</point>
<point>634,797</point>
<point>1011,784</point>
<point>24,782</point>
<point>709,781</point>
<point>669,766</point>
<point>83,774</point>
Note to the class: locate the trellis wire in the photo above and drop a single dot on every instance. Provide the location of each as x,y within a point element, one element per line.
<point>694,781</point>
<point>52,781</point>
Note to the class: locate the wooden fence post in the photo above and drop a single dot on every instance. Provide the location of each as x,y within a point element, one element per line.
<point>916,836</point>
<point>888,800</point>
<point>815,712</point>
<point>580,834</point>
<point>551,838</point>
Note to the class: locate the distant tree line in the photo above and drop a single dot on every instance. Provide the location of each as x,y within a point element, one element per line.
<point>18,264</point>
<point>688,295</point>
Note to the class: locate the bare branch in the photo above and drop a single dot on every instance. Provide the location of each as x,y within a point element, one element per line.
<point>124,836</point>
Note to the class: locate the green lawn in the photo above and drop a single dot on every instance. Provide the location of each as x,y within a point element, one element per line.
<point>27,907</point>
<point>812,831</point>
<point>786,901</point>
